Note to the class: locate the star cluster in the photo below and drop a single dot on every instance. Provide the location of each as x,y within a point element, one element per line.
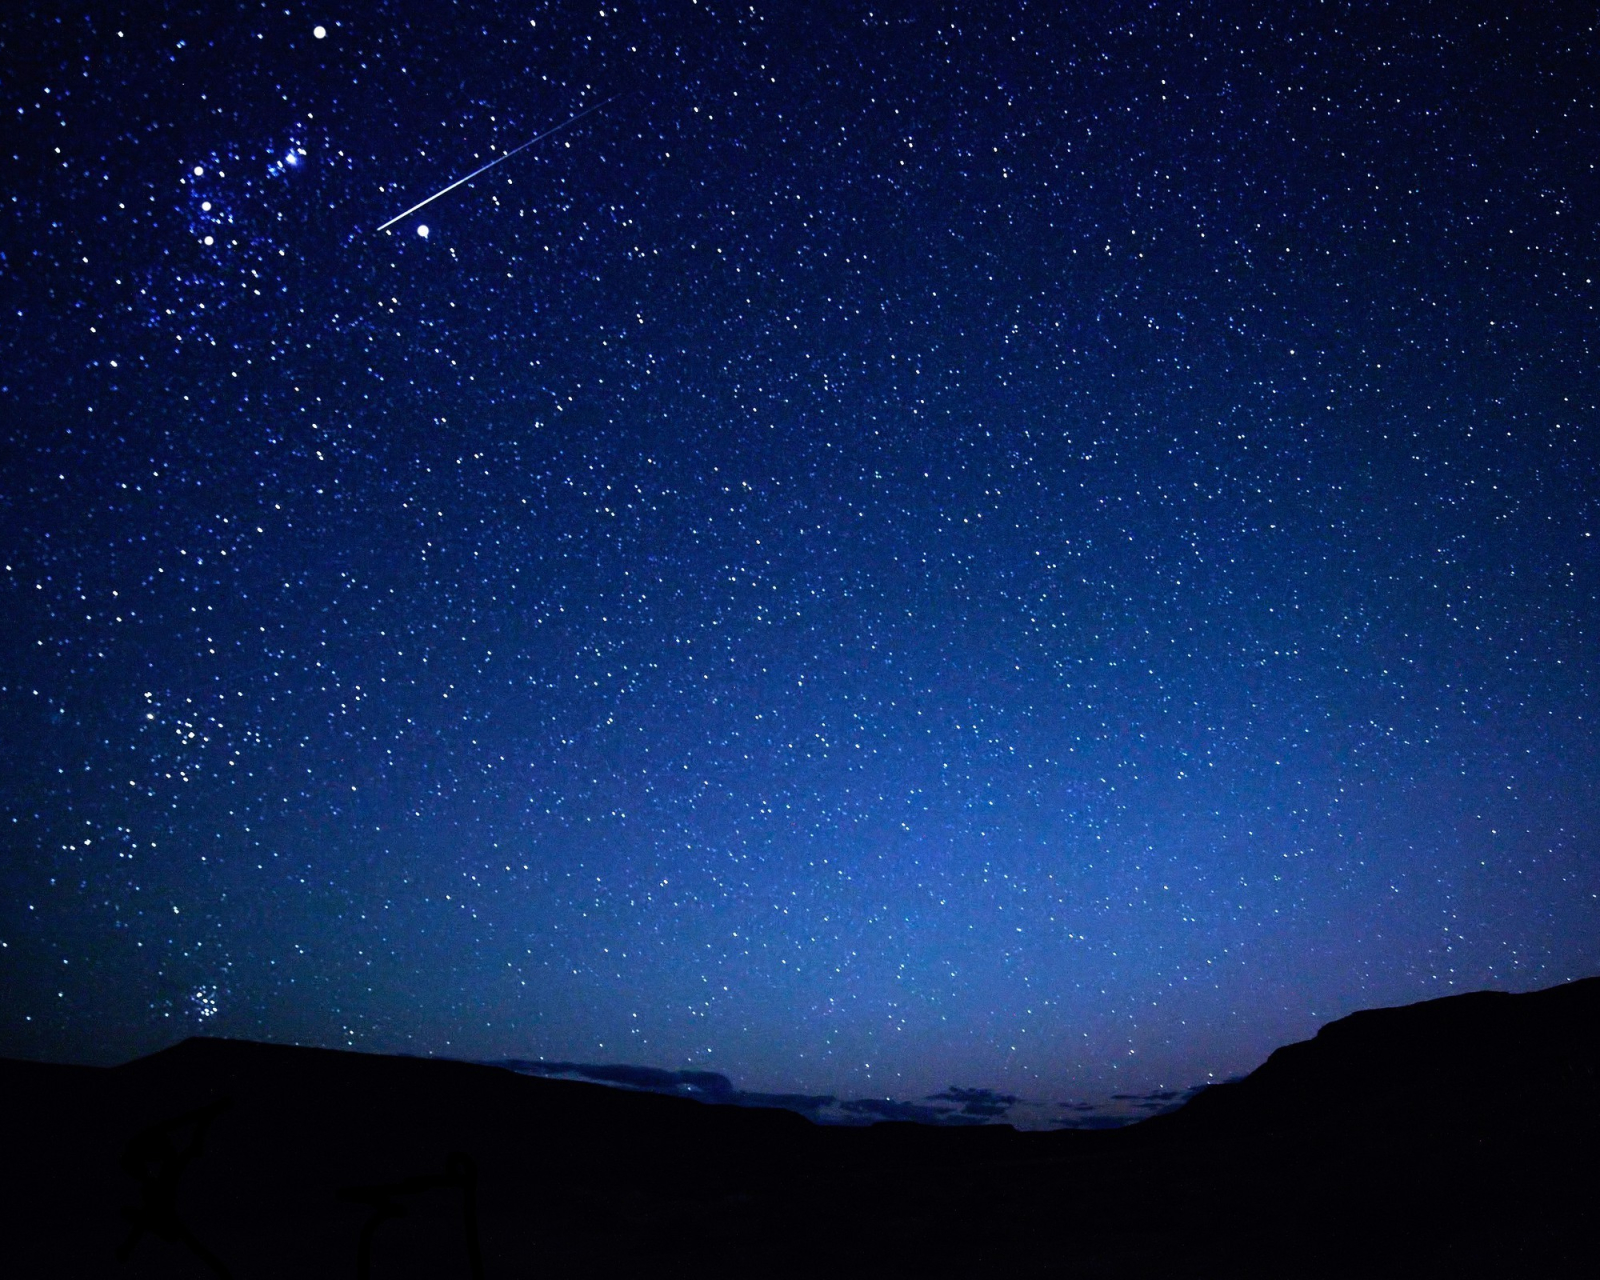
<point>921,547</point>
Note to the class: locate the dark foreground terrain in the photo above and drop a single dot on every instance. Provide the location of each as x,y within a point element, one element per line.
<point>1456,1137</point>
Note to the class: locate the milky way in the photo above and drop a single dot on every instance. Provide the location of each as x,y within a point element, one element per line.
<point>924,546</point>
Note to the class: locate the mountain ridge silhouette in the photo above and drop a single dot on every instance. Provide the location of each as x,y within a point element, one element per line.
<point>1451,1137</point>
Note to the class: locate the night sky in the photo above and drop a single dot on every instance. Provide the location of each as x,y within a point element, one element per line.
<point>1030,547</point>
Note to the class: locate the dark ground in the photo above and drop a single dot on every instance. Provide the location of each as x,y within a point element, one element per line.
<point>1456,1137</point>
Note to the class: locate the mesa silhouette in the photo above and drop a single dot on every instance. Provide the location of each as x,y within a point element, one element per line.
<point>1452,1137</point>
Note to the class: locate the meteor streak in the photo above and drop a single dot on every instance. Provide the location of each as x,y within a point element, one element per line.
<point>497,160</point>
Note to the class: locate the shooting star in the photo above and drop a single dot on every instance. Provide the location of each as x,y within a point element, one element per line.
<point>400,217</point>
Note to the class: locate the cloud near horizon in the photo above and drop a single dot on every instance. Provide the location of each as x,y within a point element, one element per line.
<point>973,1106</point>
<point>954,1106</point>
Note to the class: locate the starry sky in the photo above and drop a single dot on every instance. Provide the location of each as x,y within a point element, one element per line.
<point>1035,547</point>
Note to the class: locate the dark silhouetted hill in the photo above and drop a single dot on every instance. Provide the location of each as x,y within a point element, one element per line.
<point>1487,1066</point>
<point>1455,1137</point>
